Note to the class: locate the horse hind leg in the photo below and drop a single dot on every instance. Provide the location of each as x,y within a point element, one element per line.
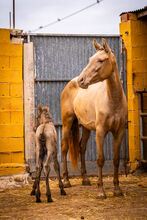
<point>57,170</point>
<point>83,143</point>
<point>33,192</point>
<point>34,188</point>
<point>65,147</point>
<point>39,166</point>
<point>46,172</point>
<point>38,193</point>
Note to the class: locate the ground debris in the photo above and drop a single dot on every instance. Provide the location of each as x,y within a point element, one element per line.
<point>80,202</point>
<point>14,181</point>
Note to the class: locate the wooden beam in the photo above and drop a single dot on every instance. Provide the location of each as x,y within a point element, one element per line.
<point>29,107</point>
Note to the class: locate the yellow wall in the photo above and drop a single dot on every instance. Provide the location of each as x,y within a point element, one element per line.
<point>11,106</point>
<point>134,34</point>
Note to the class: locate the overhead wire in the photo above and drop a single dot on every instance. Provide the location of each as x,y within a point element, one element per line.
<point>66,17</point>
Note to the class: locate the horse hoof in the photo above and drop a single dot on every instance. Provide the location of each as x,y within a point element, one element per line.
<point>38,200</point>
<point>32,193</point>
<point>49,200</point>
<point>86,182</point>
<point>117,193</point>
<point>66,184</point>
<point>101,194</point>
<point>63,193</point>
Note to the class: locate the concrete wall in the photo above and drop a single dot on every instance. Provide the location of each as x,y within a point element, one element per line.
<point>11,106</point>
<point>134,35</point>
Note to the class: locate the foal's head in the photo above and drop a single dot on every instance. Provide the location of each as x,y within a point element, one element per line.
<point>43,115</point>
<point>100,66</point>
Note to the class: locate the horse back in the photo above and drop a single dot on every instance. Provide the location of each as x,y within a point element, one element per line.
<point>50,132</point>
<point>67,98</point>
<point>47,131</point>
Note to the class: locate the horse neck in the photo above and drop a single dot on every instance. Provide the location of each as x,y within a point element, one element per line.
<point>114,87</point>
<point>46,119</point>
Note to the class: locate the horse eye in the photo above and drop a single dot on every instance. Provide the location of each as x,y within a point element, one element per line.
<point>101,61</point>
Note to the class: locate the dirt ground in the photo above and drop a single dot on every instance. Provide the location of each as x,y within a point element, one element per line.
<point>80,201</point>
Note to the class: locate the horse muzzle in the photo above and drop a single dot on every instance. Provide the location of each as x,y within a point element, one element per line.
<point>82,83</point>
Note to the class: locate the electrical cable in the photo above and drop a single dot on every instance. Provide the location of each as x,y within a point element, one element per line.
<point>66,17</point>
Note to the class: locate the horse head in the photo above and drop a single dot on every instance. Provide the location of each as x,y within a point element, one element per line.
<point>43,115</point>
<point>100,66</point>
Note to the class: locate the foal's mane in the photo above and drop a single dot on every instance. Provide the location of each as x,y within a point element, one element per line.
<point>47,115</point>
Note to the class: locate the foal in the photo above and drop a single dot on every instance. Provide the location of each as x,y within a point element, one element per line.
<point>46,145</point>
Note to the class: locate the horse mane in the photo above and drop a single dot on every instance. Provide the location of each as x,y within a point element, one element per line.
<point>48,117</point>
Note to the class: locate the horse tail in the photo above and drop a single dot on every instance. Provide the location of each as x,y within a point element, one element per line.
<point>43,149</point>
<point>73,143</point>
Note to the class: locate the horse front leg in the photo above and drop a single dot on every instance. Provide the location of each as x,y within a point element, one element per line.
<point>100,161</point>
<point>116,159</point>
<point>65,148</point>
<point>83,143</point>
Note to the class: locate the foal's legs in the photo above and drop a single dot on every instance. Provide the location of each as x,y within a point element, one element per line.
<point>116,148</point>
<point>39,166</point>
<point>100,161</point>
<point>46,172</point>
<point>83,142</point>
<point>57,169</point>
<point>37,174</point>
<point>65,147</point>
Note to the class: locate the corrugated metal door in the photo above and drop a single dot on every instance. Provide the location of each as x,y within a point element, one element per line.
<point>58,59</point>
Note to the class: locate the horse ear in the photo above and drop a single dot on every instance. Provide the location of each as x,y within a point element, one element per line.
<point>105,46</point>
<point>96,45</point>
<point>47,107</point>
<point>39,108</point>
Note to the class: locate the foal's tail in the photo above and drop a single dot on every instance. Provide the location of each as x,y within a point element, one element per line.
<point>73,143</point>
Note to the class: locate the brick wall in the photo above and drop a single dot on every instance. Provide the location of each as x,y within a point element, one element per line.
<point>11,106</point>
<point>134,34</point>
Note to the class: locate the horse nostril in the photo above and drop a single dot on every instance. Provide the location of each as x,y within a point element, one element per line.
<point>81,80</point>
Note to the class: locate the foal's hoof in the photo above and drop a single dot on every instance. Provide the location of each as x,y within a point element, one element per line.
<point>38,200</point>
<point>101,196</point>
<point>32,193</point>
<point>63,193</point>
<point>49,199</point>
<point>117,192</point>
<point>66,184</point>
<point>86,182</point>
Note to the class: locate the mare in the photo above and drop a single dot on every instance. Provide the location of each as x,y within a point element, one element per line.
<point>95,99</point>
<point>46,145</point>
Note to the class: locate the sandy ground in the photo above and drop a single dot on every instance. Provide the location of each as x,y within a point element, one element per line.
<point>80,201</point>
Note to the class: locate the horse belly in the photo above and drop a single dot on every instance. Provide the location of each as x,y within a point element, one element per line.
<point>85,112</point>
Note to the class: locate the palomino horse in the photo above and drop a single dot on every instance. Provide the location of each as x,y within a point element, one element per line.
<point>46,144</point>
<point>96,99</point>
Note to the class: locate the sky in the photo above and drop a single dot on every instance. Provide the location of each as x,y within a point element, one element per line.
<point>102,18</point>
